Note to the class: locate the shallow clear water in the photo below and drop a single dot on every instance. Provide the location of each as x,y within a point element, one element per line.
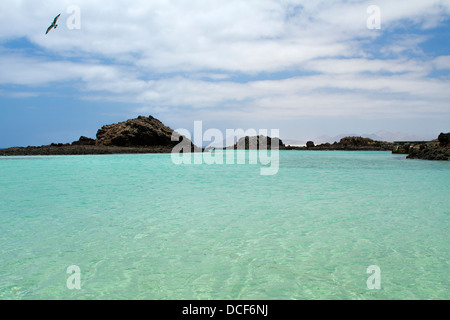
<point>141,227</point>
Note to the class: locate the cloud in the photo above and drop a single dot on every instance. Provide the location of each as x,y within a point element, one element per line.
<point>349,66</point>
<point>356,87</point>
<point>442,63</point>
<point>301,58</point>
<point>237,36</point>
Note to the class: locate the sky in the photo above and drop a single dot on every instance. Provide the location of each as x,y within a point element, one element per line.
<point>312,69</point>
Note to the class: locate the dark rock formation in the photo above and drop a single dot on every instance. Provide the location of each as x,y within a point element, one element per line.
<point>310,144</point>
<point>257,142</point>
<point>84,141</point>
<point>354,144</point>
<point>136,132</point>
<point>444,139</point>
<point>347,144</point>
<point>406,147</point>
<point>432,150</point>
<point>141,135</point>
<point>68,149</point>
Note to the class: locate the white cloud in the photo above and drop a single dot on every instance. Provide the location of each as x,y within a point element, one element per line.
<point>166,55</point>
<point>233,35</point>
<point>442,63</point>
<point>349,66</point>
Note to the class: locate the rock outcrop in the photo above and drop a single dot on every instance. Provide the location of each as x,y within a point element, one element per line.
<point>348,144</point>
<point>143,131</point>
<point>68,149</point>
<point>310,144</point>
<point>257,142</point>
<point>433,150</point>
<point>444,139</point>
<point>84,141</point>
<point>357,143</point>
<point>141,135</point>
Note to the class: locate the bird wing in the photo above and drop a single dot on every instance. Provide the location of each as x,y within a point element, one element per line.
<point>49,28</point>
<point>56,18</point>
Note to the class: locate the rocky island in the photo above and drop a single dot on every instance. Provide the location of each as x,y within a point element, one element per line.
<point>347,144</point>
<point>140,135</point>
<point>256,143</point>
<point>149,135</point>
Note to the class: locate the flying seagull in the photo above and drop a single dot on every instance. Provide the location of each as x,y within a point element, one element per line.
<point>53,25</point>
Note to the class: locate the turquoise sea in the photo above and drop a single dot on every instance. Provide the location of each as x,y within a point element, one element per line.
<point>141,227</point>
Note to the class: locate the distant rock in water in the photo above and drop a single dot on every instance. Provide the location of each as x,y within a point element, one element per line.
<point>310,144</point>
<point>433,150</point>
<point>141,135</point>
<point>257,142</point>
<point>352,144</point>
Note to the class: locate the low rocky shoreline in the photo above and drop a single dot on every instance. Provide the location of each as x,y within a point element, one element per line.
<point>149,135</point>
<point>433,150</point>
<point>68,149</point>
<point>140,135</point>
<point>348,144</point>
